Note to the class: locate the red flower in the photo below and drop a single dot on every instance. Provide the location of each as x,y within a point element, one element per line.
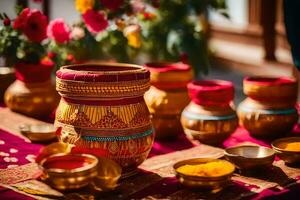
<point>6,22</point>
<point>20,21</point>
<point>70,58</point>
<point>59,31</point>
<point>51,55</point>
<point>36,26</point>
<point>112,4</point>
<point>95,21</point>
<point>33,24</point>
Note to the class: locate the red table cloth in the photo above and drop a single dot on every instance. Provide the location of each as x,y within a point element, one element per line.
<point>23,150</point>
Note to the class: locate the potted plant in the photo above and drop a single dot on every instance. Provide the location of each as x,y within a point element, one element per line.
<point>23,45</point>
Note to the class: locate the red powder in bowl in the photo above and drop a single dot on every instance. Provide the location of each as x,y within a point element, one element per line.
<point>67,162</point>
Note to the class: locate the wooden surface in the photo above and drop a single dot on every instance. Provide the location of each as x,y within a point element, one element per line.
<point>11,121</point>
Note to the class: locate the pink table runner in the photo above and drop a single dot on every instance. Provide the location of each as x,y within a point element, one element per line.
<point>22,152</point>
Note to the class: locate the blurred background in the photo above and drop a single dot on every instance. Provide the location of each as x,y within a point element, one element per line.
<point>251,40</point>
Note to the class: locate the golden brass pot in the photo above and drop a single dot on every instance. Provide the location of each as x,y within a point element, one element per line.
<point>269,109</point>
<point>103,112</point>
<point>209,117</point>
<point>32,99</point>
<point>167,96</point>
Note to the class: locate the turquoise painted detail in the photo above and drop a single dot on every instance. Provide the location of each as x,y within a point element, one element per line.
<point>269,112</point>
<point>118,138</point>
<point>207,117</point>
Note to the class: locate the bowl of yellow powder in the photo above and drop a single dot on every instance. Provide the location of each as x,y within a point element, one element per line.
<point>288,149</point>
<point>204,173</point>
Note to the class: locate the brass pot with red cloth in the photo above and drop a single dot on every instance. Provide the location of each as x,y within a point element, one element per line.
<point>33,93</point>
<point>269,109</point>
<point>167,96</point>
<point>209,117</point>
<point>103,112</point>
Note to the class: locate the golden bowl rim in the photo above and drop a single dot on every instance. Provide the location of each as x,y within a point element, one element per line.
<point>21,127</point>
<point>90,166</point>
<point>275,143</point>
<point>226,153</point>
<point>135,68</point>
<point>202,178</point>
<point>38,136</point>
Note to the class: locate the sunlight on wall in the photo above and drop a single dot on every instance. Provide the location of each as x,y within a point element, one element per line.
<point>238,12</point>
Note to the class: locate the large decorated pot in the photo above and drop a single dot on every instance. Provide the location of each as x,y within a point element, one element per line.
<point>168,96</point>
<point>269,109</point>
<point>33,93</point>
<point>209,117</point>
<point>102,111</point>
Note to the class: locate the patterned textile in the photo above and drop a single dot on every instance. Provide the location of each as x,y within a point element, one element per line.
<point>156,179</point>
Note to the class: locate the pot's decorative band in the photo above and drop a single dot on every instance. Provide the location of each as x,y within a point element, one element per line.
<point>118,138</point>
<point>103,117</point>
<point>103,101</point>
<point>211,92</point>
<point>268,112</point>
<point>196,116</point>
<point>100,90</point>
<point>105,72</point>
<point>103,80</point>
<point>267,89</point>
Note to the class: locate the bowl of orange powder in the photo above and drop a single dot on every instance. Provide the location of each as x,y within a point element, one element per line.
<point>204,173</point>
<point>288,149</point>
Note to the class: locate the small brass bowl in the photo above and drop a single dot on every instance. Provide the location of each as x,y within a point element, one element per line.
<point>69,171</point>
<point>287,155</point>
<point>204,182</point>
<point>249,157</point>
<point>39,132</point>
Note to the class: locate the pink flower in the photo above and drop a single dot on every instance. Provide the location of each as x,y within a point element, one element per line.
<point>138,6</point>
<point>95,21</point>
<point>59,31</point>
<point>77,33</point>
<point>112,4</point>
